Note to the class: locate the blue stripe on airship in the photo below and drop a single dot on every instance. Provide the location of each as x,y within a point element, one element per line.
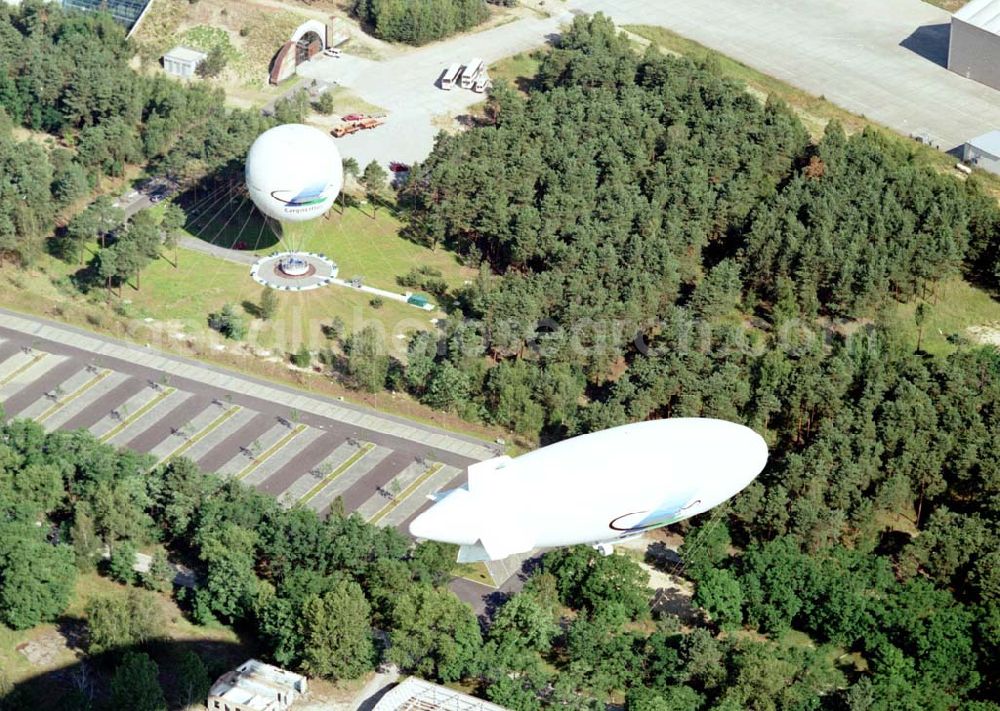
<point>669,511</point>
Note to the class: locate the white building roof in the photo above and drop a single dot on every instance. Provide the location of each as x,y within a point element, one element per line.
<point>186,54</point>
<point>984,14</point>
<point>255,686</point>
<point>413,694</point>
<point>987,143</point>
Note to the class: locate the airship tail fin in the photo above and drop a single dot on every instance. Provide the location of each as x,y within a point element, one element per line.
<point>501,543</point>
<point>472,554</point>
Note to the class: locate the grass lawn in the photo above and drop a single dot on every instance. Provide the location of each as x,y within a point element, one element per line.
<point>184,297</point>
<point>518,71</point>
<point>476,572</point>
<point>372,248</point>
<point>346,101</point>
<point>958,306</point>
<point>177,302</point>
<point>360,244</point>
<point>949,5</point>
<point>215,643</point>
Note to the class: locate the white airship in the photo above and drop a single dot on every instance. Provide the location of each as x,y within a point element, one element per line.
<point>294,172</point>
<point>598,488</point>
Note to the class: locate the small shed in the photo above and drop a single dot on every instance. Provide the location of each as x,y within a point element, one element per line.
<point>183,61</point>
<point>983,151</point>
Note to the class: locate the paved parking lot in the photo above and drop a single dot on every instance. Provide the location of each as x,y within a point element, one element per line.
<point>880,59</point>
<point>406,86</point>
<point>299,448</point>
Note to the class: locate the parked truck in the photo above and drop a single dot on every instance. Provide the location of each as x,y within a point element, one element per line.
<point>483,82</point>
<point>346,129</point>
<point>450,76</point>
<point>472,70</point>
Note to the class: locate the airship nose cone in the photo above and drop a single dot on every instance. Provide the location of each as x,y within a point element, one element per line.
<point>454,519</point>
<point>738,461</point>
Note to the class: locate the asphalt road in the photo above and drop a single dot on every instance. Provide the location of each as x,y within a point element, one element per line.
<point>880,59</point>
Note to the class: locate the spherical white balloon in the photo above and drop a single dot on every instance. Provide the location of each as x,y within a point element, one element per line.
<point>294,172</point>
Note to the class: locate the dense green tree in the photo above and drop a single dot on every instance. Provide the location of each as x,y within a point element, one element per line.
<point>523,622</point>
<point>33,485</point>
<point>193,682</point>
<point>119,507</point>
<point>228,322</point>
<point>231,584</point>
<point>82,228</point>
<point>419,21</point>
<point>121,566</point>
<point>213,65</point>
<point>720,595</point>
<point>26,205</point>
<point>86,544</point>
<point>292,108</point>
<point>434,634</point>
<point>325,104</point>
<point>605,657</point>
<point>173,222</point>
<point>268,303</point>
<point>134,684</point>
<point>160,576</point>
<point>351,171</point>
<point>70,181</point>
<point>588,580</point>
<point>447,388</point>
<point>373,180</point>
<point>367,362</point>
<point>676,698</point>
<point>36,578</point>
<point>336,631</point>
<point>117,622</point>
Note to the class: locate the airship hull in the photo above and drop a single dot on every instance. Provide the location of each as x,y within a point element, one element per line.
<point>596,488</point>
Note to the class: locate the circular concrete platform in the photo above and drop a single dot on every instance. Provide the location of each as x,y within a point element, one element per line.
<point>310,271</point>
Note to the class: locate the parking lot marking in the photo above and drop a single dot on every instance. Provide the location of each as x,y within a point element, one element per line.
<point>210,440</point>
<point>201,434</point>
<point>160,397</point>
<point>17,364</point>
<point>260,459</point>
<point>84,400</point>
<point>416,498</point>
<point>30,372</point>
<point>66,400</point>
<point>286,454</point>
<point>397,499</point>
<point>329,478</point>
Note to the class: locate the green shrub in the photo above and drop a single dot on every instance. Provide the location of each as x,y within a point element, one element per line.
<point>302,357</point>
<point>228,323</point>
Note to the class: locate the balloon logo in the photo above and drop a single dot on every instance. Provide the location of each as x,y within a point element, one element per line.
<point>294,173</point>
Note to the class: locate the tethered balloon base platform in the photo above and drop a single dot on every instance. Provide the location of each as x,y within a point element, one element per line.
<point>295,266</point>
<point>294,271</point>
